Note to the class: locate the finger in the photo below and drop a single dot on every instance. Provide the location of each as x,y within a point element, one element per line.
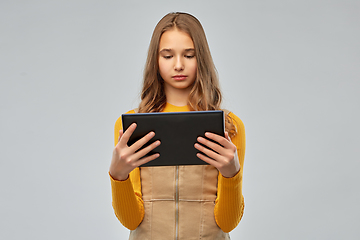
<point>214,146</point>
<point>146,150</point>
<point>147,159</point>
<point>219,139</point>
<point>208,152</point>
<point>208,160</point>
<point>127,134</point>
<point>139,143</point>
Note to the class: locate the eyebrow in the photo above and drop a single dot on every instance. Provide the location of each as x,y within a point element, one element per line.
<point>170,50</point>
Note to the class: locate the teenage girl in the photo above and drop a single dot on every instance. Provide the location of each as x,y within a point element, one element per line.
<point>179,202</point>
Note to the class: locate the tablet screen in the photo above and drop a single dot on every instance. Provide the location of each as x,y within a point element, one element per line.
<point>177,132</point>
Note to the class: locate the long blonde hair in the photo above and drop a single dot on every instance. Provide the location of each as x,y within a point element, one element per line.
<point>205,93</point>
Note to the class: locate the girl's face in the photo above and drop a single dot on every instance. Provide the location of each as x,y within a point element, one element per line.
<point>177,61</point>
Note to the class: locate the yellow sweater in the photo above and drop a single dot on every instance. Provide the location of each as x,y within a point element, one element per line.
<point>229,205</point>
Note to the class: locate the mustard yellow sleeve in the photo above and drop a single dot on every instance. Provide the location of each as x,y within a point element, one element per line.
<point>229,205</point>
<point>126,195</point>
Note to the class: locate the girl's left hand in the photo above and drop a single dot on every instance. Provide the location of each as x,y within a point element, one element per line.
<point>223,154</point>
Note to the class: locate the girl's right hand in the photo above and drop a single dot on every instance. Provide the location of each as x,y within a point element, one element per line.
<point>125,158</point>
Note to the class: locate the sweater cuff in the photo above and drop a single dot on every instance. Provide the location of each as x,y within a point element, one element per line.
<point>231,182</point>
<point>125,185</point>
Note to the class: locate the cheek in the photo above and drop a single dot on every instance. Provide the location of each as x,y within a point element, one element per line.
<point>194,68</point>
<point>163,67</point>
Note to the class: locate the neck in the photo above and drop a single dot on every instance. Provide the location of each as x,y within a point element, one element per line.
<point>177,97</point>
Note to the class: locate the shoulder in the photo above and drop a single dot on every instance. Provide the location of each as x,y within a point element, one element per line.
<point>239,138</point>
<point>118,123</point>
<point>235,119</point>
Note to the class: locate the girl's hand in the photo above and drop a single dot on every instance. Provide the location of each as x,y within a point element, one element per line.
<point>125,158</point>
<point>223,154</point>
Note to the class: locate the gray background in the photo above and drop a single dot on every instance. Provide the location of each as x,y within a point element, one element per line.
<point>288,69</point>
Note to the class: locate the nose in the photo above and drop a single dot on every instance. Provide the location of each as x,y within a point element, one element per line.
<point>179,65</point>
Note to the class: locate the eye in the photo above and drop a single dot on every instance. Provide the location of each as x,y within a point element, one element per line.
<point>167,56</point>
<point>189,56</point>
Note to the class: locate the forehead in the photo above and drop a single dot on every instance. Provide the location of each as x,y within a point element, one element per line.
<point>176,40</point>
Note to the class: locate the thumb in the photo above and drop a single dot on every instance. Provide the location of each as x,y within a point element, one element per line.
<point>227,136</point>
<point>121,132</point>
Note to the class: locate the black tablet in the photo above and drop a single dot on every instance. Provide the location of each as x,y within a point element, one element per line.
<point>177,132</point>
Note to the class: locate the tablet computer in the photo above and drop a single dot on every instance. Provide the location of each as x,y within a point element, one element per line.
<point>177,131</point>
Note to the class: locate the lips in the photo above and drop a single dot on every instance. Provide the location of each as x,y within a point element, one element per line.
<point>179,77</point>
